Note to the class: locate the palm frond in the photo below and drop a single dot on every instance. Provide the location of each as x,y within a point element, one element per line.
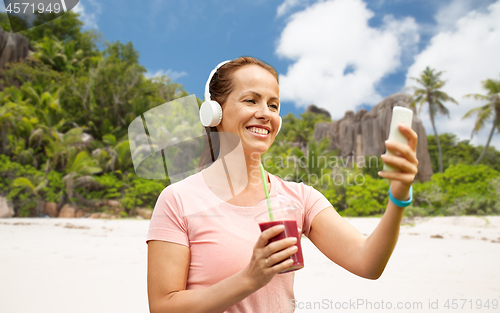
<point>444,97</point>
<point>493,86</point>
<point>475,111</point>
<point>442,109</point>
<point>482,117</point>
<point>40,186</point>
<point>476,96</point>
<point>23,182</point>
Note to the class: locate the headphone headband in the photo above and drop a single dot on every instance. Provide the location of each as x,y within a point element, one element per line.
<point>212,73</point>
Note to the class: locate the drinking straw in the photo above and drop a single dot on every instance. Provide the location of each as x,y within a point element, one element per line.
<point>267,193</point>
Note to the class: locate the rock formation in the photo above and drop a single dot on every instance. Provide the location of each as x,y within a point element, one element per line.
<point>50,208</point>
<point>6,208</point>
<point>67,211</point>
<point>13,47</point>
<point>144,213</point>
<point>314,109</point>
<point>363,133</point>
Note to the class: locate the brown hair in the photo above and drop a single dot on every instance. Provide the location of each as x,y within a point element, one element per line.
<point>220,87</point>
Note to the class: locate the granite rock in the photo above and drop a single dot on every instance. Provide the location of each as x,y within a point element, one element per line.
<point>314,109</point>
<point>114,203</point>
<point>144,213</point>
<point>50,208</point>
<point>13,47</point>
<point>67,211</point>
<point>6,208</point>
<point>363,133</point>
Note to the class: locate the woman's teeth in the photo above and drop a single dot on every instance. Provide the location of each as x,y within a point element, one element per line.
<point>258,130</point>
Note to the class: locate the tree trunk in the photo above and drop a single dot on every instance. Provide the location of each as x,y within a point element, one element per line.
<point>84,201</point>
<point>438,144</point>
<point>4,140</point>
<point>495,122</point>
<point>60,203</point>
<point>429,101</point>
<point>39,207</point>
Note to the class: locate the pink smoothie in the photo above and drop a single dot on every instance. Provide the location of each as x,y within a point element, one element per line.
<point>290,231</point>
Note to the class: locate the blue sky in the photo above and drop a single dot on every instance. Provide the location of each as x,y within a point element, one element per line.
<point>338,54</point>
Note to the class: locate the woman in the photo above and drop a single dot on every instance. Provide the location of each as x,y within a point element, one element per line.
<point>208,255</point>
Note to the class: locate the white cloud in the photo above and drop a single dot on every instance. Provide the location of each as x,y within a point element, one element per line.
<point>448,14</point>
<point>287,5</point>
<point>89,19</point>
<point>468,54</point>
<point>406,30</point>
<point>329,37</point>
<point>170,73</point>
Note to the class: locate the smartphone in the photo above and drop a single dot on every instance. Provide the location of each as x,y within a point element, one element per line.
<point>400,115</point>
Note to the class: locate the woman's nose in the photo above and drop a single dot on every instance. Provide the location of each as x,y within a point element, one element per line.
<point>263,111</point>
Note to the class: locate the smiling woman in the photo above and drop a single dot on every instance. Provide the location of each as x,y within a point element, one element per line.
<point>206,253</point>
<point>221,87</point>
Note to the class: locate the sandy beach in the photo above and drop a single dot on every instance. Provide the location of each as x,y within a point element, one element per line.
<point>89,265</point>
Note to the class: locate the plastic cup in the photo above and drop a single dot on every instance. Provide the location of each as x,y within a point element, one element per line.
<point>285,212</point>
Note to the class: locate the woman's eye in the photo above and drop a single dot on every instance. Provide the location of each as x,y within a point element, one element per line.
<point>274,106</point>
<point>250,100</point>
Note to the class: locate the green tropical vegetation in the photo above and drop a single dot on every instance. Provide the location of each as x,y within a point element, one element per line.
<point>462,188</point>
<point>457,152</point>
<point>65,112</point>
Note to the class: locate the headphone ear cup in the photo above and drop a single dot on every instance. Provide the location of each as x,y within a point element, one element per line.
<point>210,113</point>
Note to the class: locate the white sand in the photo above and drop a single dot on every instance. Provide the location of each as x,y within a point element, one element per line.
<point>83,265</point>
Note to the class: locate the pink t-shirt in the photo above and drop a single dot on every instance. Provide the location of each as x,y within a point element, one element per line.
<point>221,236</point>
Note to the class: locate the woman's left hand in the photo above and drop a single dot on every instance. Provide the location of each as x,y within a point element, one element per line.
<point>405,159</point>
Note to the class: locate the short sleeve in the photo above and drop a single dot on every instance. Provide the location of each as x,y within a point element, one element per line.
<point>314,204</point>
<point>167,223</point>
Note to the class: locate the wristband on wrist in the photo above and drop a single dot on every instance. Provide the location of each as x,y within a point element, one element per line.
<point>400,203</point>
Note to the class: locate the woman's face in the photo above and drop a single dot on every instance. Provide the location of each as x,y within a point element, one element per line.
<point>251,109</point>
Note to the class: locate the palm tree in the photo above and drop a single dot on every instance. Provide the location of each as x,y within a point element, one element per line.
<point>58,148</point>
<point>487,111</point>
<point>74,58</point>
<point>114,156</point>
<point>48,112</point>
<point>61,56</point>
<point>434,97</point>
<point>315,158</point>
<point>51,52</point>
<point>40,182</point>
<point>14,110</point>
<point>79,171</point>
<point>300,133</point>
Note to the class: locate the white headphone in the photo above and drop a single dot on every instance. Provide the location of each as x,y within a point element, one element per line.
<point>210,110</point>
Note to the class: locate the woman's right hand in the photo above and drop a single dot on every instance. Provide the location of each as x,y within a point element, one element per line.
<point>259,271</point>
